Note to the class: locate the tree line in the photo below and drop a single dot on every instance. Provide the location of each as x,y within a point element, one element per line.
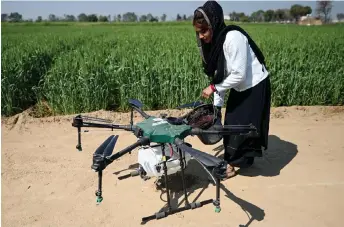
<point>296,11</point>
<point>82,17</point>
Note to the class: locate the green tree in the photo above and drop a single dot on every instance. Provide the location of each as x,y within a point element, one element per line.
<point>130,17</point>
<point>260,15</point>
<point>69,18</point>
<point>163,17</point>
<point>4,17</point>
<point>102,18</point>
<point>298,11</point>
<point>82,17</point>
<point>15,17</point>
<point>39,19</point>
<point>92,18</point>
<point>143,18</point>
<point>269,15</point>
<point>280,15</point>
<point>52,17</point>
<point>340,16</point>
<point>234,16</point>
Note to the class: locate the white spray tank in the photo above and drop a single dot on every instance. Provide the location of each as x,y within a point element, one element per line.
<point>151,160</point>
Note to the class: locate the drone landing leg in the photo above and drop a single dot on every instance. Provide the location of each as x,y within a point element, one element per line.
<point>219,173</point>
<point>99,192</point>
<point>217,200</point>
<point>188,206</point>
<point>165,175</point>
<point>182,166</point>
<point>78,146</point>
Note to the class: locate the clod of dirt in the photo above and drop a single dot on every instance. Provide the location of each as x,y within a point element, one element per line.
<point>18,122</point>
<point>278,114</point>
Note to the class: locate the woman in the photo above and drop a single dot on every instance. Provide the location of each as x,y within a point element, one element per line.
<point>233,62</point>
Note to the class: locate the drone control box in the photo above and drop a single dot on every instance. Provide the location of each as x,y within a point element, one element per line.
<point>159,130</point>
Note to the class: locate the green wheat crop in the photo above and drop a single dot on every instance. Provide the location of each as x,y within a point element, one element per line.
<point>80,68</point>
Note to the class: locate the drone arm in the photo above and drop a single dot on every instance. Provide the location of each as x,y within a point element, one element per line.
<point>99,125</point>
<point>101,161</point>
<point>141,142</point>
<point>227,130</point>
<point>85,121</point>
<point>235,127</point>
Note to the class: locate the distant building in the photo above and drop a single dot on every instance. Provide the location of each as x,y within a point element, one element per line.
<point>309,20</point>
<point>226,17</point>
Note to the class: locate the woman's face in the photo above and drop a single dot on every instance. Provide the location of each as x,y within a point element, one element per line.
<point>204,33</point>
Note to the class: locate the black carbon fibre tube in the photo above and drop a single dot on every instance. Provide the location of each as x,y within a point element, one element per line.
<point>141,142</point>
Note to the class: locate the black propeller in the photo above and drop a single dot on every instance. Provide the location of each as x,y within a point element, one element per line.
<point>100,150</point>
<point>105,149</point>
<point>110,147</point>
<point>136,103</point>
<point>204,158</point>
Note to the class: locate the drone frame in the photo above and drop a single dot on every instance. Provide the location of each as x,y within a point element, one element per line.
<point>103,156</point>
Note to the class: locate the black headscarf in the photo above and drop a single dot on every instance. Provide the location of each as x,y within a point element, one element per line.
<point>212,53</point>
<point>213,14</point>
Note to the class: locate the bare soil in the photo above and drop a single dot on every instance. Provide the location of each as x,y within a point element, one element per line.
<point>298,182</point>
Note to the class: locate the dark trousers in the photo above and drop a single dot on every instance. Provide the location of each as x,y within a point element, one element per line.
<point>251,106</point>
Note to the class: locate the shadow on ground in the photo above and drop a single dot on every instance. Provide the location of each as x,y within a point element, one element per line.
<point>197,178</point>
<point>279,154</point>
<point>275,158</point>
<point>253,212</point>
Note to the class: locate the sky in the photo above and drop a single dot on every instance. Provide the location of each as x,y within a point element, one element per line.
<point>32,9</point>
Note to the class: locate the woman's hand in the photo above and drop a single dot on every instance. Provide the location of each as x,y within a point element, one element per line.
<point>207,92</point>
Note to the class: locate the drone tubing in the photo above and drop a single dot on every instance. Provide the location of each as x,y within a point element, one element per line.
<point>205,168</point>
<point>142,141</point>
<point>221,127</point>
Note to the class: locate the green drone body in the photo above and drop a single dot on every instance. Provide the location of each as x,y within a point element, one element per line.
<point>159,130</point>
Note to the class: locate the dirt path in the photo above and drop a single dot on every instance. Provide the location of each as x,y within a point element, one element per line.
<point>299,182</point>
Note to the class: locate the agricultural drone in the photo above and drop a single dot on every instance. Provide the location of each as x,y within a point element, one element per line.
<point>162,148</point>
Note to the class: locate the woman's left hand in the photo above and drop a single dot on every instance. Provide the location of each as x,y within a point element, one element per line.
<point>207,92</point>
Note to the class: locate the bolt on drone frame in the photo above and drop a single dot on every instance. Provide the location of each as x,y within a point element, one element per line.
<point>162,131</point>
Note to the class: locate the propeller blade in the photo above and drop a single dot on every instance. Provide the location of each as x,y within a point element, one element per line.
<point>101,148</point>
<point>110,147</point>
<point>192,104</point>
<point>136,103</point>
<point>203,157</point>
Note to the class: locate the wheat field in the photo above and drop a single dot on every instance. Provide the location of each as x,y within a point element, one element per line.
<point>73,68</point>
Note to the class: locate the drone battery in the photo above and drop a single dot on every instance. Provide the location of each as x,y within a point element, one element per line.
<point>151,160</point>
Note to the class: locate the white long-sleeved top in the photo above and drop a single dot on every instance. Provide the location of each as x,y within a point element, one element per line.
<point>242,68</point>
